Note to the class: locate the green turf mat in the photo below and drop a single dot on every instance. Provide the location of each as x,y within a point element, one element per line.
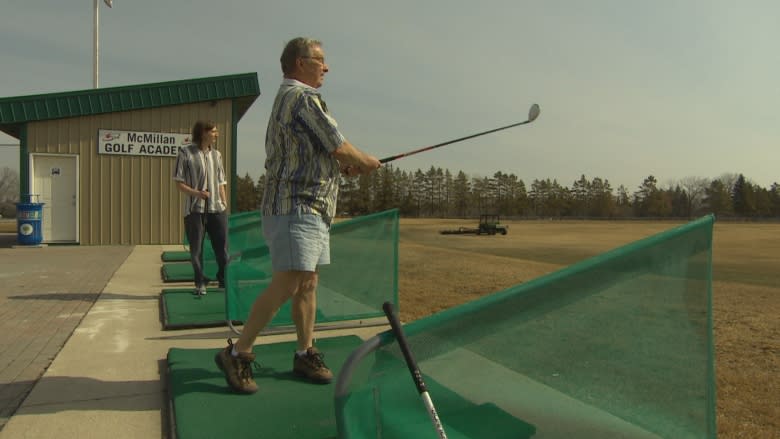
<point>181,310</point>
<point>202,406</point>
<point>175,256</point>
<point>183,272</point>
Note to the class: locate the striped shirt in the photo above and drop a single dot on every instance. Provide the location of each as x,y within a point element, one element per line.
<point>202,171</point>
<point>301,171</point>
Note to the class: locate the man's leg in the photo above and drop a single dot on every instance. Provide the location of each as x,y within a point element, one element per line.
<point>236,360</point>
<point>216,227</point>
<point>284,284</point>
<point>304,310</point>
<point>193,224</point>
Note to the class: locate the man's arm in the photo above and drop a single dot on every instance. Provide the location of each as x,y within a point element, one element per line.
<point>223,193</point>
<point>355,161</point>
<point>183,187</point>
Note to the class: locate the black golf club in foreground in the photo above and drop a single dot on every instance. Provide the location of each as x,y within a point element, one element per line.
<point>411,363</point>
<point>533,113</point>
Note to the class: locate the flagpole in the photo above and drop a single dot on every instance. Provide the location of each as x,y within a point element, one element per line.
<point>95,45</point>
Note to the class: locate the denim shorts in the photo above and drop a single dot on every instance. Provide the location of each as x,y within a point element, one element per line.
<point>297,242</point>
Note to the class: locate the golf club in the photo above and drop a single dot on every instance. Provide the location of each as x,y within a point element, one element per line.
<point>395,324</point>
<point>533,113</point>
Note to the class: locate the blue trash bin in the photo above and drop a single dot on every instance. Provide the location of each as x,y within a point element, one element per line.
<point>29,216</point>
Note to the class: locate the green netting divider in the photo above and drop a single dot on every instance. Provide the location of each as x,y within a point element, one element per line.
<point>618,345</point>
<point>362,275</point>
<point>245,232</point>
<point>235,219</point>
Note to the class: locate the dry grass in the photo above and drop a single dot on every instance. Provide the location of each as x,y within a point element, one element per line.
<point>440,271</point>
<point>7,226</point>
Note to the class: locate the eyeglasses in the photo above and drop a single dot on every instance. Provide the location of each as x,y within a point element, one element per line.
<point>320,59</point>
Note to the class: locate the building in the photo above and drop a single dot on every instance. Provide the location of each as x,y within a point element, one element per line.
<point>101,160</point>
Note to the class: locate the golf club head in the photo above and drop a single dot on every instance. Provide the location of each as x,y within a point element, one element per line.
<point>533,113</point>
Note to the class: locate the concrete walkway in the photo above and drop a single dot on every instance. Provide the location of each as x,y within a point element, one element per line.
<point>44,295</point>
<point>109,378</point>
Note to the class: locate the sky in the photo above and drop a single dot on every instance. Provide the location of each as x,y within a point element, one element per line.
<point>627,88</point>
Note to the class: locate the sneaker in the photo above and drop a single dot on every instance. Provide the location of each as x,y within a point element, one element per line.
<point>312,367</point>
<point>199,290</point>
<point>238,370</point>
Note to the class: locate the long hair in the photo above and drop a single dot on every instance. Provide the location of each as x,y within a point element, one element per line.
<point>199,128</point>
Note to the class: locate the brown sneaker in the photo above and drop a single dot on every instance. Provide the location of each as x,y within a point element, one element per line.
<point>238,370</point>
<point>312,367</point>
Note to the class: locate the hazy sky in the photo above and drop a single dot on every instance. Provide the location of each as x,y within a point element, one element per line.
<point>628,88</point>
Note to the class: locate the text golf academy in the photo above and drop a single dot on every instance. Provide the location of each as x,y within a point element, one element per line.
<point>141,143</point>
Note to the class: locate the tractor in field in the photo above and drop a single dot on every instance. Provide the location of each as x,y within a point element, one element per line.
<point>488,225</point>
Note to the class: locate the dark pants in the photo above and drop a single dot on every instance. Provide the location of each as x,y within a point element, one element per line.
<point>215,224</point>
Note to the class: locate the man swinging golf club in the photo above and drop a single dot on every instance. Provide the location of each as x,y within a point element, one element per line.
<point>304,154</point>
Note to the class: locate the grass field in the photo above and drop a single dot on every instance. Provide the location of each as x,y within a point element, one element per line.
<point>440,271</point>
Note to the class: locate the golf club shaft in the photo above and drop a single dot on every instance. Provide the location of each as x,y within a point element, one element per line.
<point>411,363</point>
<point>533,114</point>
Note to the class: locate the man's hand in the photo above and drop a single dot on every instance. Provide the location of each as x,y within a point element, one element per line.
<point>354,170</point>
<point>350,171</point>
<point>203,195</point>
<point>355,162</point>
<point>372,164</point>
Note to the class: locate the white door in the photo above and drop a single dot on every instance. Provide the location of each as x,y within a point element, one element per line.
<point>55,180</point>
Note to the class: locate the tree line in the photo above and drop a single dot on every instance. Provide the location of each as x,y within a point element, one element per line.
<point>438,193</point>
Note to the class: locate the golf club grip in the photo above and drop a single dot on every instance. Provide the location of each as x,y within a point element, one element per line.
<point>395,324</point>
<point>416,151</point>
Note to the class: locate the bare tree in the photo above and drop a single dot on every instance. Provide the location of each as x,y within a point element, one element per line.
<point>9,191</point>
<point>696,188</point>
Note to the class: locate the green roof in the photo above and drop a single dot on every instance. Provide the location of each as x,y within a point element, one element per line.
<point>15,111</point>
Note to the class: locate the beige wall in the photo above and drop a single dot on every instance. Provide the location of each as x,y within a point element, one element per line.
<point>127,199</point>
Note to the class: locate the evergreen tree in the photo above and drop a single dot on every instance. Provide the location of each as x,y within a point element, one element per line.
<point>384,195</point>
<point>449,193</point>
<point>717,198</point>
<point>520,200</point>
<point>537,197</point>
<point>461,193</point>
<point>580,192</point>
<point>743,197</point>
<point>651,201</point>
<point>774,198</point>
<point>623,202</point>
<point>419,194</point>
<point>602,202</point>
<point>439,193</point>
<point>246,195</point>
<point>763,202</point>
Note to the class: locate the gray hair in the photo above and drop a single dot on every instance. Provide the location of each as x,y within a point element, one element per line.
<point>296,48</point>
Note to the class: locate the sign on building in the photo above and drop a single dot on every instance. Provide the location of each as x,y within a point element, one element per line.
<point>141,143</point>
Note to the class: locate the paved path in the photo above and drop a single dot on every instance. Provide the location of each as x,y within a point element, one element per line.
<point>44,295</point>
<point>108,380</point>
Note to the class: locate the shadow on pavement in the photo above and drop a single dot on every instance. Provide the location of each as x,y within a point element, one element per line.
<point>7,240</point>
<point>83,296</point>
